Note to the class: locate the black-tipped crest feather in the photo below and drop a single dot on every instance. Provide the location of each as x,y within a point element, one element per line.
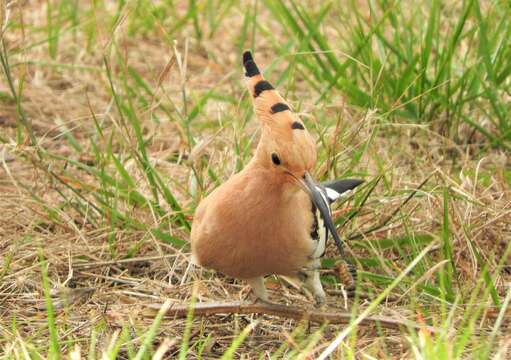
<point>251,68</point>
<point>297,126</point>
<point>261,86</point>
<point>278,107</point>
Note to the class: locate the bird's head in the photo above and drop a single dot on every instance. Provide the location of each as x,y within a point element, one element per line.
<point>286,147</point>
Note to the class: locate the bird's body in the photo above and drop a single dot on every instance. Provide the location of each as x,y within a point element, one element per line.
<point>228,239</point>
<point>270,218</point>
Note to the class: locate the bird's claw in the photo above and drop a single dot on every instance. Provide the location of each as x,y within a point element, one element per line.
<point>319,299</point>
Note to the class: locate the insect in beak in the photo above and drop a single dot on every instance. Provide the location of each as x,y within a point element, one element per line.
<point>321,204</point>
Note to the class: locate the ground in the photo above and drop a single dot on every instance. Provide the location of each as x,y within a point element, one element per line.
<point>117,118</point>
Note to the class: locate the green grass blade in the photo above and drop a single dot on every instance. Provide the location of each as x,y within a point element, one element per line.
<point>231,351</point>
<point>151,333</point>
<point>54,352</point>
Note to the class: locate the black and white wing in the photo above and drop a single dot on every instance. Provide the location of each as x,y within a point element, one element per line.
<point>329,192</point>
<point>340,188</point>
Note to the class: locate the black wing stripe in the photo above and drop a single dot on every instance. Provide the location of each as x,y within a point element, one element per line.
<point>251,68</point>
<point>341,186</point>
<point>315,225</point>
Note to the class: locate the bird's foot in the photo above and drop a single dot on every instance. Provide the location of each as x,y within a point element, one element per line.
<point>257,285</point>
<point>312,282</point>
<point>311,267</point>
<point>319,299</point>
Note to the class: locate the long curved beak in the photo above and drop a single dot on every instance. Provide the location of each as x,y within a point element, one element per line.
<point>322,205</point>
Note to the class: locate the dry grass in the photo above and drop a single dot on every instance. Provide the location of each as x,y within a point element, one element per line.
<point>103,268</point>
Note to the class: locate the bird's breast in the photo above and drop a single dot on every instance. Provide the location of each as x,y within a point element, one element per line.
<point>247,233</point>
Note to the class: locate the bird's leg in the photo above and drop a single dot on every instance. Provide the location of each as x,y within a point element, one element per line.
<point>313,265</point>
<point>257,285</point>
<point>312,281</point>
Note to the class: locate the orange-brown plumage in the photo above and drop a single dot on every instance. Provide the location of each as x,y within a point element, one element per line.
<point>253,225</point>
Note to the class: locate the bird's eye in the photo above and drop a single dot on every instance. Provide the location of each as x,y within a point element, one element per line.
<point>275,159</point>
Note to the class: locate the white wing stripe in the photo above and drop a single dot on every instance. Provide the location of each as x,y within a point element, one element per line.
<point>332,194</point>
<point>320,247</point>
<point>322,193</point>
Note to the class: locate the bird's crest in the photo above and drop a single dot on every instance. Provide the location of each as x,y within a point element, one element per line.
<point>284,133</point>
<point>267,100</point>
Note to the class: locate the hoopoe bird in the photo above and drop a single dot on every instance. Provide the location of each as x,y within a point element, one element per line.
<point>271,217</point>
